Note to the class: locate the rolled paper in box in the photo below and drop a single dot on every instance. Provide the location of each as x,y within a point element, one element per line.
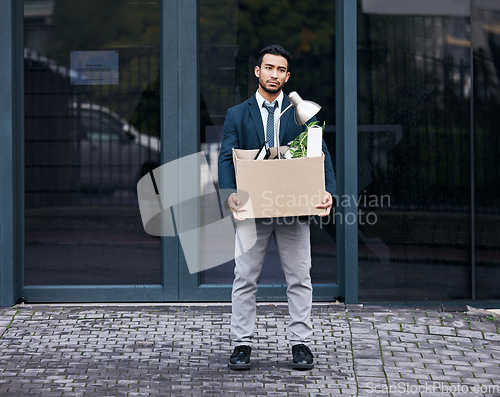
<point>314,141</point>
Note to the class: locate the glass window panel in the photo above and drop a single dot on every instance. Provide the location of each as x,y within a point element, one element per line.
<point>232,32</point>
<point>414,151</point>
<point>486,22</point>
<point>87,144</point>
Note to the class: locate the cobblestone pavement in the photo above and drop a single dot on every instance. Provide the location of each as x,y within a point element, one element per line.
<point>183,350</point>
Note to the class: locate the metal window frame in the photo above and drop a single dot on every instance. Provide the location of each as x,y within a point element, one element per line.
<point>10,124</point>
<point>12,285</point>
<point>347,144</point>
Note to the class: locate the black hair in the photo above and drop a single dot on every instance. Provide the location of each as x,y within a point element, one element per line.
<point>274,49</point>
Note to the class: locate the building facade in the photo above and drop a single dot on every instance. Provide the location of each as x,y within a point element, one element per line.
<point>96,94</point>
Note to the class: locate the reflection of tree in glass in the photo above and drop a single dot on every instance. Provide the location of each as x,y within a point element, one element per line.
<point>233,32</point>
<point>107,24</point>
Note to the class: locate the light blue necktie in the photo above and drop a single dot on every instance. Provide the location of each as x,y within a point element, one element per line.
<point>270,123</point>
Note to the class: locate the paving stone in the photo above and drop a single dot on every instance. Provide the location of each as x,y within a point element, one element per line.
<point>441,330</point>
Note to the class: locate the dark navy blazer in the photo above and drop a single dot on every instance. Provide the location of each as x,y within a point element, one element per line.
<point>243,129</point>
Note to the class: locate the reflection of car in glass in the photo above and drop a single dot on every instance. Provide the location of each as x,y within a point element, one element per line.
<point>112,154</point>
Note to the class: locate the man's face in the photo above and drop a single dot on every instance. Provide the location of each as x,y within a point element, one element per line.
<point>273,73</point>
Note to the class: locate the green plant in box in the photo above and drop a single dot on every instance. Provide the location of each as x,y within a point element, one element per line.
<point>298,147</point>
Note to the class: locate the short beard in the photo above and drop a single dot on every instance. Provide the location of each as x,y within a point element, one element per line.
<point>271,90</point>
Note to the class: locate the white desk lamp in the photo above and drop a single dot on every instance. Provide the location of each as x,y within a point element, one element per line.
<point>304,111</point>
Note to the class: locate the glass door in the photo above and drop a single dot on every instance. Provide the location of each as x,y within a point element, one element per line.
<point>95,110</point>
<point>92,129</point>
<point>231,34</point>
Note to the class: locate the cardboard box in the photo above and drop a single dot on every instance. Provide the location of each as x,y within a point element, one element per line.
<point>275,188</point>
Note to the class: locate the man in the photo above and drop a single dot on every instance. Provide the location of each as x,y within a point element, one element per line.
<point>244,128</point>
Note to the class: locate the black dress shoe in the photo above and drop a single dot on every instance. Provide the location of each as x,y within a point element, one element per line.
<point>302,357</point>
<point>240,359</point>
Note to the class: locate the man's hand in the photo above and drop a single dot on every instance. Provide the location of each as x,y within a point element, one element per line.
<point>233,202</point>
<point>326,204</point>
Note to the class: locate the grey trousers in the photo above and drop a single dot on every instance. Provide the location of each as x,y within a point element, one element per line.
<point>292,239</point>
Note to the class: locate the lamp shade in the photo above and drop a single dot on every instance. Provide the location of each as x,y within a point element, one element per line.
<point>304,110</point>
